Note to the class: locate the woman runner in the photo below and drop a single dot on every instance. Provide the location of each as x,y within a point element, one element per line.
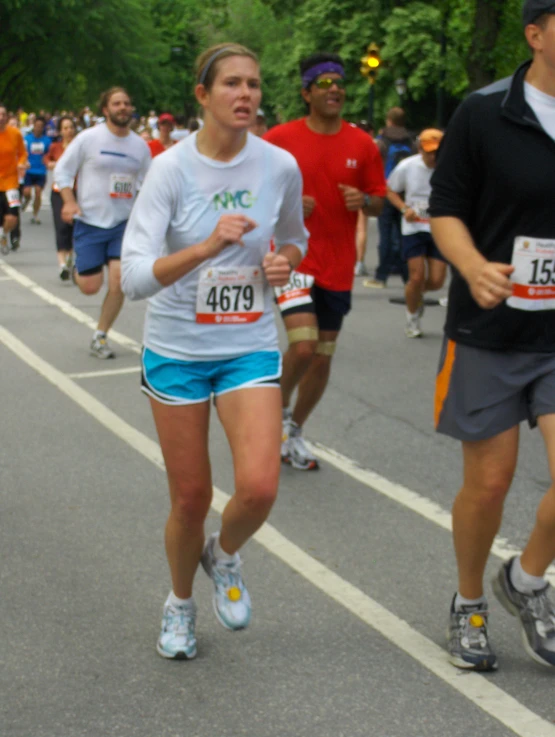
<point>198,245</point>
<point>64,231</point>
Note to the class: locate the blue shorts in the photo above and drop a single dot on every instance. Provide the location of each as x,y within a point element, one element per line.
<point>94,247</point>
<point>34,180</point>
<point>175,382</point>
<point>420,244</point>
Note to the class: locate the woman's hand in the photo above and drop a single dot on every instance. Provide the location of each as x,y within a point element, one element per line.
<point>277,269</point>
<point>228,232</point>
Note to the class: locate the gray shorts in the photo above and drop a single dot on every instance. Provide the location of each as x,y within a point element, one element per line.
<point>480,393</point>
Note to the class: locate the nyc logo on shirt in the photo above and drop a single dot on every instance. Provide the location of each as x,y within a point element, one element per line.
<point>243,199</point>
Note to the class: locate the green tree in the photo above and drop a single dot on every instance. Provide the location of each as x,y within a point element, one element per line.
<point>49,49</point>
<point>63,54</point>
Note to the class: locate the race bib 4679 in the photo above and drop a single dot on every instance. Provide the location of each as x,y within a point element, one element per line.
<point>231,296</point>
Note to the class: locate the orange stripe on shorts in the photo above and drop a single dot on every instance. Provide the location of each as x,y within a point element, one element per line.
<point>443,379</point>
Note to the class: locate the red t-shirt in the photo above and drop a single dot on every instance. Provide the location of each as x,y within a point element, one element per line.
<point>155,147</point>
<point>349,157</point>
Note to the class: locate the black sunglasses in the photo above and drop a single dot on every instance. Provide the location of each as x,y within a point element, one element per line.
<point>326,82</point>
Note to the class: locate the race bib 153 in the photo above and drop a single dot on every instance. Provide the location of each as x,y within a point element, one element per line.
<point>534,275</point>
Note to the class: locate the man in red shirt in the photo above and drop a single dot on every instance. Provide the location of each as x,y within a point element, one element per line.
<point>342,173</point>
<point>166,123</point>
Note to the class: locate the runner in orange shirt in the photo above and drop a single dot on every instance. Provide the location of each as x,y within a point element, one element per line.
<point>13,161</point>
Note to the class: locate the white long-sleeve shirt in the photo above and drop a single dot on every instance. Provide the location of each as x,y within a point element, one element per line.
<point>110,169</point>
<point>179,205</point>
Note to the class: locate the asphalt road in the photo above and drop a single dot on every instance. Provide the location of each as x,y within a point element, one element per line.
<point>351,580</point>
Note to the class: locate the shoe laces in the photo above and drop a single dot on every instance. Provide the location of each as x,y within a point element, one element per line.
<point>300,446</point>
<point>227,574</point>
<point>181,619</point>
<point>541,608</point>
<point>473,628</point>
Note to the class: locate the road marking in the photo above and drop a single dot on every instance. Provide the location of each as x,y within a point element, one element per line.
<point>113,372</point>
<point>67,308</point>
<point>417,503</point>
<point>421,505</point>
<point>489,698</point>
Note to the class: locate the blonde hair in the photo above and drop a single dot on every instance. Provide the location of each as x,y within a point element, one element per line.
<point>206,65</point>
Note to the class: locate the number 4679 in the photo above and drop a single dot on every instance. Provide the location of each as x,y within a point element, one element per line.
<point>236,298</point>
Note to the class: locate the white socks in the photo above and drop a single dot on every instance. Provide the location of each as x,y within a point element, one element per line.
<point>524,582</point>
<point>461,602</point>
<point>175,601</point>
<point>99,334</point>
<point>220,554</point>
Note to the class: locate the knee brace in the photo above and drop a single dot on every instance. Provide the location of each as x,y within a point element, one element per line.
<point>326,348</point>
<point>296,335</point>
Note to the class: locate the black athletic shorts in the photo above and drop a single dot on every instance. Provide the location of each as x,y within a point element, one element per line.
<point>5,209</point>
<point>329,307</point>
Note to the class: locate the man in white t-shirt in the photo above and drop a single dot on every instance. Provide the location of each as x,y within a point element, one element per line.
<point>109,162</point>
<point>153,120</point>
<point>427,267</point>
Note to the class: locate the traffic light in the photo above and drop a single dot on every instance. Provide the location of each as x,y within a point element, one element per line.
<point>371,63</point>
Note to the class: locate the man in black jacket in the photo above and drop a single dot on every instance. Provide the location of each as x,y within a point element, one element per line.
<point>493,217</point>
<point>395,143</point>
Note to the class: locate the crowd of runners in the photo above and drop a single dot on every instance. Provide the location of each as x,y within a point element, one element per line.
<point>222,224</point>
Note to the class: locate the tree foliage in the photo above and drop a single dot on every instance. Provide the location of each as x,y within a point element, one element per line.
<point>63,54</point>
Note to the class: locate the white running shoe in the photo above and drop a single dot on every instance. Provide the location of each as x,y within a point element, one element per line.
<point>177,639</point>
<point>297,454</point>
<point>412,328</point>
<point>101,349</point>
<point>285,428</point>
<point>231,600</point>
<point>373,283</point>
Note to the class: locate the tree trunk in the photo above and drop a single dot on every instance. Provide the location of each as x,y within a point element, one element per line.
<point>480,66</point>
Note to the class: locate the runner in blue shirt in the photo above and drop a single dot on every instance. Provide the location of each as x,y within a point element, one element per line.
<point>37,145</point>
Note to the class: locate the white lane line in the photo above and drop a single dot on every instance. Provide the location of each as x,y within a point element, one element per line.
<point>421,505</point>
<point>417,503</point>
<point>489,698</point>
<point>113,372</point>
<point>67,308</point>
